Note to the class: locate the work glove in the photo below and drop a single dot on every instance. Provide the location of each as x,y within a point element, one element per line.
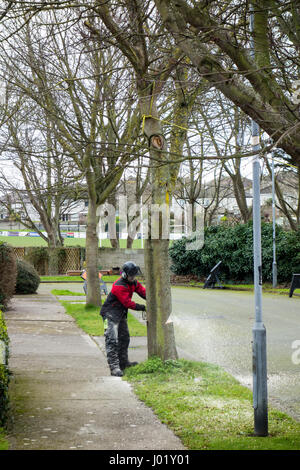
<point>140,307</point>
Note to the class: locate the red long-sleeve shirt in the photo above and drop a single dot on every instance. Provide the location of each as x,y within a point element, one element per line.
<point>119,298</point>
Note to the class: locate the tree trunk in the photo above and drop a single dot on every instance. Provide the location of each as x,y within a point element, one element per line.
<point>54,246</point>
<point>129,242</point>
<point>286,210</point>
<point>115,239</point>
<point>161,338</point>
<point>240,197</point>
<point>93,286</point>
<point>53,264</point>
<point>114,242</point>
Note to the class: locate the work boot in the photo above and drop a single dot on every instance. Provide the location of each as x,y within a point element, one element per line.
<point>117,372</point>
<point>129,364</point>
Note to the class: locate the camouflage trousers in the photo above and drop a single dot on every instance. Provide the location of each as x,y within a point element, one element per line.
<point>116,343</point>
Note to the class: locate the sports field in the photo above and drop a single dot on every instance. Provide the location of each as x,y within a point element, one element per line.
<point>38,241</point>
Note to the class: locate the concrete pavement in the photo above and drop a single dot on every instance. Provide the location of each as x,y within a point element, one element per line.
<point>62,394</point>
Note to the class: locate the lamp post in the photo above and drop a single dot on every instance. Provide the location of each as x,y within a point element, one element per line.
<point>274,265</point>
<point>260,394</point>
<point>205,204</point>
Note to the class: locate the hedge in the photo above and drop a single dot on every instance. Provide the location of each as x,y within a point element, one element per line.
<point>8,273</point>
<point>4,373</point>
<point>234,247</point>
<point>28,279</point>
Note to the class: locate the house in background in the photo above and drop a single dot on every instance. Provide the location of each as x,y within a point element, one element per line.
<point>73,214</point>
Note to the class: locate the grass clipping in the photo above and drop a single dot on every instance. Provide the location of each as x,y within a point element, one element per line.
<point>3,442</point>
<point>207,408</point>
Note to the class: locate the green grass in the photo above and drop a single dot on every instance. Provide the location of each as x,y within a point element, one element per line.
<point>66,292</point>
<point>111,278</point>
<point>207,408</point>
<point>38,241</point>
<point>4,445</point>
<point>267,288</point>
<point>89,320</point>
<point>61,278</point>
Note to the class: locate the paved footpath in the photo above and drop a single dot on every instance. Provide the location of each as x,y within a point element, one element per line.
<point>62,394</point>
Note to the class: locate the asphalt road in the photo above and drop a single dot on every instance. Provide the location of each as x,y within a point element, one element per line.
<point>216,326</point>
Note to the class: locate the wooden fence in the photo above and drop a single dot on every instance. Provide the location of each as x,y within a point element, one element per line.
<point>69,258</point>
<point>72,258</point>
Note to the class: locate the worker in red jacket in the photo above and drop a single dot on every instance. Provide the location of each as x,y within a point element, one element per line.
<point>114,312</point>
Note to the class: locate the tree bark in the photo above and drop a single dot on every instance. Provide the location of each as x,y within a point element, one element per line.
<point>53,264</point>
<point>93,286</point>
<point>129,242</point>
<point>161,337</point>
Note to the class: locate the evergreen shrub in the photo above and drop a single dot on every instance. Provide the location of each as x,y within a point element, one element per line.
<point>8,273</point>
<point>4,372</point>
<point>234,247</point>
<point>28,279</point>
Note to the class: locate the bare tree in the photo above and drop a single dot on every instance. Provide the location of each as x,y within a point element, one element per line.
<point>287,188</point>
<point>228,130</point>
<point>216,40</point>
<point>38,178</point>
<point>70,81</point>
<point>128,25</point>
<point>135,187</point>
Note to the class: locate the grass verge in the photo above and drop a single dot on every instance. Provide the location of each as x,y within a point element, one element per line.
<point>89,320</point>
<point>66,292</point>
<point>207,408</point>
<point>266,288</point>
<point>61,279</point>
<point>3,442</point>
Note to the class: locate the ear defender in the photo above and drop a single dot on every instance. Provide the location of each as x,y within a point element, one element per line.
<point>124,275</point>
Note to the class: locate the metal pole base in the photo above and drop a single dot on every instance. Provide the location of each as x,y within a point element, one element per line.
<point>260,391</point>
<point>274,274</point>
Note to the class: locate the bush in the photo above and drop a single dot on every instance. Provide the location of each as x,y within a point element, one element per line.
<point>8,273</point>
<point>38,257</point>
<point>234,247</point>
<point>4,373</point>
<point>28,279</point>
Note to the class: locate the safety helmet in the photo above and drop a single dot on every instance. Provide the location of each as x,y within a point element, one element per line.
<point>129,269</point>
